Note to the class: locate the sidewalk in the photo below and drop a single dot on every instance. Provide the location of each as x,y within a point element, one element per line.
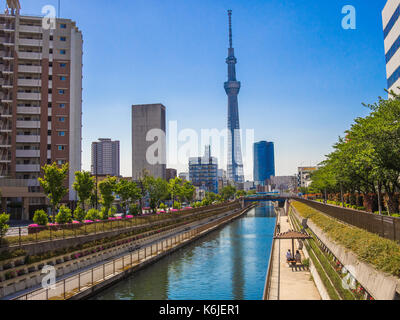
<point>293,285</point>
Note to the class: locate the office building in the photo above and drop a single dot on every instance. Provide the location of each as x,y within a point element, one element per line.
<point>106,158</point>
<point>41,105</point>
<point>264,162</point>
<point>148,140</point>
<point>232,88</point>
<point>203,171</point>
<point>391,33</point>
<point>283,183</point>
<point>304,176</point>
<point>171,174</point>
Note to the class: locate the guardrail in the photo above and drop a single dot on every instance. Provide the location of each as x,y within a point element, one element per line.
<point>69,287</point>
<point>270,261</point>
<point>384,226</point>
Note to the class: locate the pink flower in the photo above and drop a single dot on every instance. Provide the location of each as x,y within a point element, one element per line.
<point>34,226</point>
<point>88,221</point>
<point>76,222</point>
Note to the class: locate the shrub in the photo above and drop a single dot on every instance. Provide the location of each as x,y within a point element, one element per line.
<point>64,215</point>
<point>41,218</point>
<point>382,253</point>
<point>93,215</point>
<point>177,205</point>
<point>79,214</point>
<point>163,206</point>
<point>112,211</point>
<point>104,214</point>
<point>4,218</point>
<point>134,210</point>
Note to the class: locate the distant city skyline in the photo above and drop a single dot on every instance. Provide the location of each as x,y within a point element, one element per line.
<point>297,91</point>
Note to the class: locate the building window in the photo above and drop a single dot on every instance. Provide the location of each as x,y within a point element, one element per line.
<point>61,148</point>
<point>61,91</point>
<point>63,39</point>
<point>63,78</point>
<point>63,26</point>
<point>61,162</point>
<point>62,105</point>
<point>61,133</point>
<point>63,65</point>
<point>61,119</point>
<point>62,51</point>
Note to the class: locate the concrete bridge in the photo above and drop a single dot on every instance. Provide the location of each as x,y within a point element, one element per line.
<point>276,197</point>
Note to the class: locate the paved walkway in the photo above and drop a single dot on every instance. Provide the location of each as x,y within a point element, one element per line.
<point>293,284</point>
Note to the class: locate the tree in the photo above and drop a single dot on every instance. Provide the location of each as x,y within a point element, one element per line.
<point>227,192</point>
<point>53,184</point>
<point>188,191</point>
<point>175,188</point>
<point>84,185</point>
<point>240,193</point>
<point>128,192</point>
<point>64,215</point>
<point>157,190</point>
<point>107,188</point>
<point>40,218</point>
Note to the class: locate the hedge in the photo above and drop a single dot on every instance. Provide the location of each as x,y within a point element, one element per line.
<point>383,254</point>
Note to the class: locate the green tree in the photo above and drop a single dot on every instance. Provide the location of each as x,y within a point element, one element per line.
<point>128,192</point>
<point>84,185</point>
<point>53,184</point>
<point>227,192</point>
<point>79,214</point>
<point>175,188</point>
<point>107,188</point>
<point>157,190</point>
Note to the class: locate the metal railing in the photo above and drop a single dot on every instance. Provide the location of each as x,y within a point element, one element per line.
<point>70,231</point>
<point>385,226</point>
<point>70,286</point>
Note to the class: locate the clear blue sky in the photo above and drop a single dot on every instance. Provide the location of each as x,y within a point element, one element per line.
<point>303,76</point>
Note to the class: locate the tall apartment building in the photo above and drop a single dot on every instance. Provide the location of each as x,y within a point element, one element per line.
<point>41,103</point>
<point>171,174</point>
<point>391,33</point>
<point>148,140</point>
<point>106,157</point>
<point>203,171</point>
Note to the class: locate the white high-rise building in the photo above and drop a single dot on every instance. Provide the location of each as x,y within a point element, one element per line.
<point>391,32</point>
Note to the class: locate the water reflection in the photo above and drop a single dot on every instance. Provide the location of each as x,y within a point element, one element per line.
<point>228,264</point>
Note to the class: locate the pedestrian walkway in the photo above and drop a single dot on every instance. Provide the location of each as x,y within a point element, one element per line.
<point>288,283</point>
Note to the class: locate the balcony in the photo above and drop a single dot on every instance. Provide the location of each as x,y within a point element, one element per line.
<point>27,168</point>
<point>18,183</point>
<point>29,82</point>
<point>28,139</point>
<point>30,42</point>
<point>30,55</point>
<point>28,110</point>
<point>27,153</point>
<point>29,96</point>
<point>30,69</point>
<point>5,160</point>
<point>30,29</point>
<point>28,124</point>
<point>7,99</point>
<point>8,71</point>
<point>5,129</point>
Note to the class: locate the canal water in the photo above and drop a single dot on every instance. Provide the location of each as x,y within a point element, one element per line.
<point>227,264</point>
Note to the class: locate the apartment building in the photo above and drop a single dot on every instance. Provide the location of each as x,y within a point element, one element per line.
<point>106,157</point>
<point>391,34</point>
<point>41,105</point>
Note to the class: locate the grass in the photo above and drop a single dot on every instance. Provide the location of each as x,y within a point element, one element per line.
<point>383,254</point>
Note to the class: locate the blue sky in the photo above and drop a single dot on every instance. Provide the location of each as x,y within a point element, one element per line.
<point>303,76</point>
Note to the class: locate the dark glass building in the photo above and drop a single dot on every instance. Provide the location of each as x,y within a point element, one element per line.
<point>264,161</point>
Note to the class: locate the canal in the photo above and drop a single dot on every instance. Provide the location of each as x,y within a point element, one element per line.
<point>227,264</point>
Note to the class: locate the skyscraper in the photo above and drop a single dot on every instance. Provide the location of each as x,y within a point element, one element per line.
<point>105,157</point>
<point>232,88</point>
<point>148,140</point>
<point>264,161</point>
<point>41,103</point>
<point>391,33</point>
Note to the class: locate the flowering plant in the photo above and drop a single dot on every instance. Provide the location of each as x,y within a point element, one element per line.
<point>33,226</point>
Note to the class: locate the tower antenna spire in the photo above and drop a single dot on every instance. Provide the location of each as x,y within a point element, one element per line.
<point>230,28</point>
